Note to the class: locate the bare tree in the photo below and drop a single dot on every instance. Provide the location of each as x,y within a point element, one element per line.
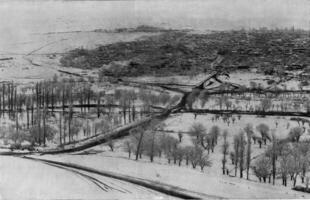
<point>264,131</point>
<point>225,149</point>
<point>221,100</point>
<point>303,151</point>
<point>111,144</point>
<point>228,104</point>
<point>232,157</point>
<point>284,166</point>
<point>180,155</point>
<point>44,117</point>
<point>87,128</point>
<point>196,155</point>
<point>241,153</point>
<point>295,133</point>
<point>265,104</point>
<point>75,128</point>
<point>187,153</point>
<point>128,147</point>
<point>285,161</point>
<point>137,134</point>
<point>296,164</point>
<point>60,128</point>
<point>169,144</point>
<point>196,130</point>
<point>206,141</point>
<point>180,135</point>
<point>214,132</point>
<point>236,152</point>
<point>262,168</point>
<point>274,150</point>
<point>204,161</point>
<point>249,132</point>
<point>150,143</point>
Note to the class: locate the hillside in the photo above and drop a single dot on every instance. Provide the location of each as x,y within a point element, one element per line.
<point>184,52</point>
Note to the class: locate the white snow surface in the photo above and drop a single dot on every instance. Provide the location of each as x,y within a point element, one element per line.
<point>209,182</point>
<point>26,179</point>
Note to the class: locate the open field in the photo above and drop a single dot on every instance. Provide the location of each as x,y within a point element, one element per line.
<point>180,107</point>
<point>170,124</point>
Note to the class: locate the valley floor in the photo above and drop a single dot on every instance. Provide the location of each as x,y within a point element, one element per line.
<point>209,182</point>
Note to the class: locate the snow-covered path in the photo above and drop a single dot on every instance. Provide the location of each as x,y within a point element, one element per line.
<point>25,179</point>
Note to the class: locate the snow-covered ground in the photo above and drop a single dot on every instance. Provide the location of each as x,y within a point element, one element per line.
<point>209,182</point>
<point>26,179</point>
<point>185,121</point>
<point>36,41</point>
<point>39,60</point>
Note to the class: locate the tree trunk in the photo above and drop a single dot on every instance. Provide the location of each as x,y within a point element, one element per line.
<point>295,178</point>
<point>27,110</point>
<point>53,99</point>
<point>98,106</point>
<point>44,127</point>
<point>69,129</point>
<point>273,168</point>
<point>60,128</point>
<point>133,113</point>
<point>32,110</point>
<point>139,146</point>
<point>124,114</point>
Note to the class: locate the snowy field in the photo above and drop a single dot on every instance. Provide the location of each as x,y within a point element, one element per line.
<point>30,49</point>
<point>26,179</point>
<point>185,121</point>
<point>209,182</point>
<point>39,60</point>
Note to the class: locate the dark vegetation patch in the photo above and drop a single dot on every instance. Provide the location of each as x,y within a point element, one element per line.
<point>177,53</point>
<point>301,189</point>
<point>142,28</point>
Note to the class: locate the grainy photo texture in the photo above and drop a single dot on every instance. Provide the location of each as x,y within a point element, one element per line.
<point>154,99</point>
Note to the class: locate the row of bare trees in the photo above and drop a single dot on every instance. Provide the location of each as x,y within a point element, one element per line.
<point>276,157</point>
<point>53,104</point>
<point>287,158</point>
<point>148,141</point>
<point>265,103</point>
